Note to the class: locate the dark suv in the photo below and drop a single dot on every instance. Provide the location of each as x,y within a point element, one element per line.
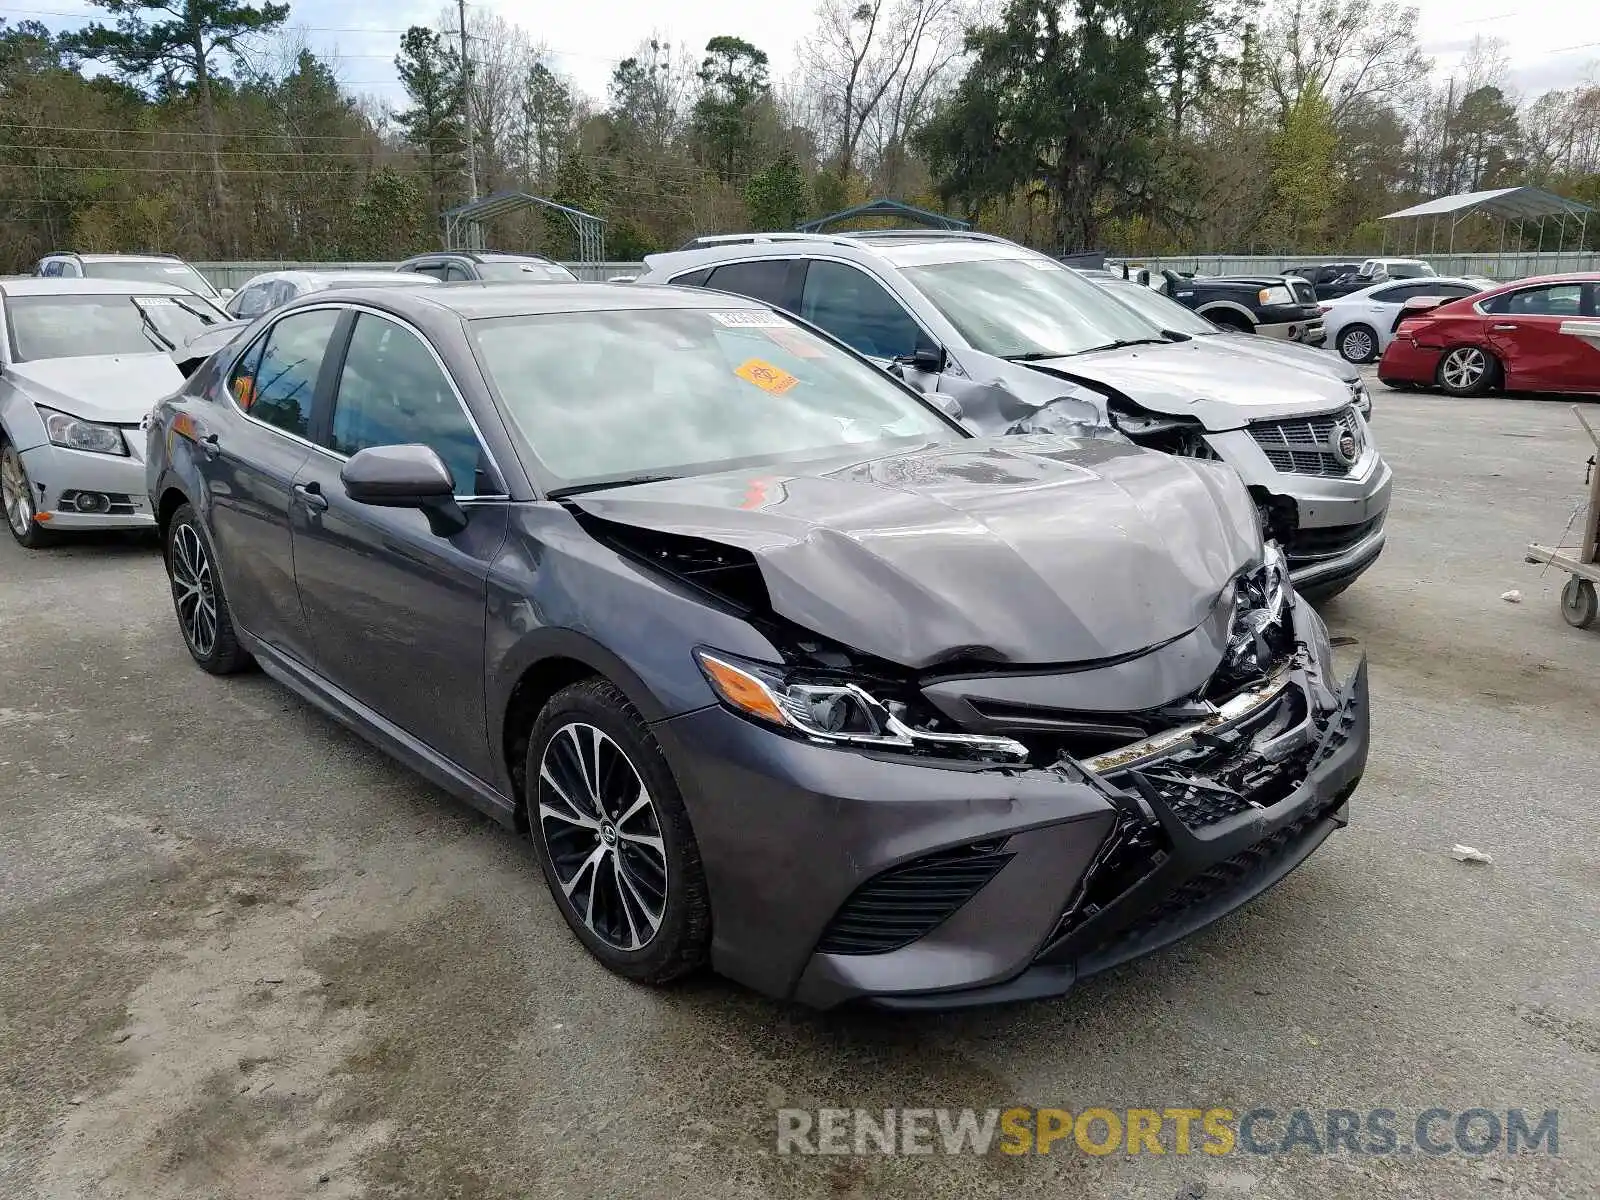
<point>1328,280</point>
<point>452,266</point>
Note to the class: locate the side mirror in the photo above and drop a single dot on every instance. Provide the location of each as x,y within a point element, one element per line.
<point>225,293</point>
<point>948,405</point>
<point>409,476</point>
<point>929,359</point>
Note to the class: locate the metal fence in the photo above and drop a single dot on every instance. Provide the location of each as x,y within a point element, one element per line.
<point>1495,266</point>
<point>236,274</point>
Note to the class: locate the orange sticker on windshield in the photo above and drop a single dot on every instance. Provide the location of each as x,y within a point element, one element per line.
<point>766,376</point>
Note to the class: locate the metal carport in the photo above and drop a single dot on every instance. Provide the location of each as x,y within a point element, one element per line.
<point>1519,204</point>
<point>463,226</point>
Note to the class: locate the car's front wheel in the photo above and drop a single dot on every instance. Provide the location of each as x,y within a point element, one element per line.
<point>613,836</point>
<point>198,598</point>
<point>1358,344</point>
<point>1468,371</point>
<point>16,494</point>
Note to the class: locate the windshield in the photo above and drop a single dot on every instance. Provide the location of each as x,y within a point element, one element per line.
<point>1162,311</point>
<point>76,326</point>
<point>1027,307</point>
<point>607,396</point>
<point>527,270</point>
<point>175,273</point>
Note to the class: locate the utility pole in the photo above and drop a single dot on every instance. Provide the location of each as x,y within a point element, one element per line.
<point>466,103</point>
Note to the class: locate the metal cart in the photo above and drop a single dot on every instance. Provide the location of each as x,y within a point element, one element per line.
<point>1578,599</point>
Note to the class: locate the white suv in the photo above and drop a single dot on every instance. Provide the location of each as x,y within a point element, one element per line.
<point>1023,344</point>
<point>134,268</point>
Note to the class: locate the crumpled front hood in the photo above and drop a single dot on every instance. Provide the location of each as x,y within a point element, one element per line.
<point>1186,379</point>
<point>1018,550</point>
<point>1295,354</point>
<point>116,389</point>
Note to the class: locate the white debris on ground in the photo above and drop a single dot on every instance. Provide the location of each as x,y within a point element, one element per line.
<point>1512,597</point>
<point>1469,854</point>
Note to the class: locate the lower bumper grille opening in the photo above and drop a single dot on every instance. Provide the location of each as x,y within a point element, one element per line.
<point>1328,542</point>
<point>907,902</point>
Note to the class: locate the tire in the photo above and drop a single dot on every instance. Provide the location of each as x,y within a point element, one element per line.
<point>1579,605</point>
<point>197,592</point>
<point>1467,371</point>
<point>1227,319</point>
<point>1358,344</point>
<point>16,500</point>
<point>591,851</point>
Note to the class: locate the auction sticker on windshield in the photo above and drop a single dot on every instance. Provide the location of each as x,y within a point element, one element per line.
<point>765,376</point>
<point>750,320</point>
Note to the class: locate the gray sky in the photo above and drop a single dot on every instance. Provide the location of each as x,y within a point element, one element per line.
<point>1549,43</point>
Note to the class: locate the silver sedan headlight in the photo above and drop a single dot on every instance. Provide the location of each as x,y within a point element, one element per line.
<point>73,433</point>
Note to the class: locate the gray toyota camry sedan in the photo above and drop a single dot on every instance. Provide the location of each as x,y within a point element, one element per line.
<point>783,671</point>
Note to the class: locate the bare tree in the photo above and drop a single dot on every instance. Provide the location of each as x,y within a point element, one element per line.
<point>871,69</point>
<point>1349,51</point>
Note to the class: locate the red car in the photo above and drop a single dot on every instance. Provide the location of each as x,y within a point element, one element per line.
<point>1511,337</point>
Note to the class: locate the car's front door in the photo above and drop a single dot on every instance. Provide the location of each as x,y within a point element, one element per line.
<point>396,611</point>
<point>863,314</point>
<point>249,445</point>
<point>1525,333</point>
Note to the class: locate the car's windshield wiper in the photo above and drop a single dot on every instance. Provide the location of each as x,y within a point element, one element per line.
<point>1124,343</point>
<point>1035,355</point>
<point>155,335</point>
<point>599,485</point>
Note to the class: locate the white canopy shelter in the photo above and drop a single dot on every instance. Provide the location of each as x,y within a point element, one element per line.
<point>1519,204</point>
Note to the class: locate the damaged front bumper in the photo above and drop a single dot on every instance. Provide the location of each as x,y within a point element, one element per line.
<point>923,885</point>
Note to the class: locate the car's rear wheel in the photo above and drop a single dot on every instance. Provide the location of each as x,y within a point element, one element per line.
<point>198,598</point>
<point>16,495</point>
<point>1468,371</point>
<point>1358,344</point>
<point>613,836</point>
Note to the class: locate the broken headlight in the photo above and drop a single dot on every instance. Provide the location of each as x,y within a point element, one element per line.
<point>1260,608</point>
<point>837,712</point>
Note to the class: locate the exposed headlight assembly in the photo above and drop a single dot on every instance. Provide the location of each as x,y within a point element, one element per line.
<point>837,713</point>
<point>1275,295</point>
<point>75,434</point>
<point>1362,399</point>
<point>1259,599</point>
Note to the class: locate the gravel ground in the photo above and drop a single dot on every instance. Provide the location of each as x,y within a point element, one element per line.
<point>243,955</point>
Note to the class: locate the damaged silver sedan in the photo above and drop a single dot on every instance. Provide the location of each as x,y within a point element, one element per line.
<point>782,670</point>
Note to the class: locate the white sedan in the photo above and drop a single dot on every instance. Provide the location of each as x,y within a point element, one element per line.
<point>1360,326</point>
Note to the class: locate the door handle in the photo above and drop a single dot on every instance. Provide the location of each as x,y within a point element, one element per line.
<point>209,446</point>
<point>1502,328</point>
<point>310,494</point>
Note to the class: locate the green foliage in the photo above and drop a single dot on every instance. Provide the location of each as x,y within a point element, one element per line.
<point>388,216</point>
<point>547,111</point>
<point>430,71</point>
<point>733,78</point>
<point>177,50</point>
<point>1062,96</point>
<point>1302,174</point>
<point>776,197</point>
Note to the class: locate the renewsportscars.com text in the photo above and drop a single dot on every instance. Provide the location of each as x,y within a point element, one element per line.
<point>1180,1131</point>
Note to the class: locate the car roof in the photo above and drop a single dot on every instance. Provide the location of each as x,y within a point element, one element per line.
<point>34,285</point>
<point>481,256</point>
<point>1412,281</point>
<point>92,257</point>
<point>896,247</point>
<point>474,301</point>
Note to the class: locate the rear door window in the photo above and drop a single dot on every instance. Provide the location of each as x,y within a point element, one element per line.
<point>278,383</point>
<point>765,280</point>
<point>456,273</point>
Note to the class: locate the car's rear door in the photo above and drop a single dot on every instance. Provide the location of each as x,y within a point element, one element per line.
<point>248,445</point>
<point>1525,334</point>
<point>396,611</point>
